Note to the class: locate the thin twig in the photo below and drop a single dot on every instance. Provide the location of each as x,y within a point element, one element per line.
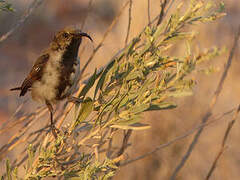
<point>210,107</point>
<point>33,6</point>
<point>148,11</point>
<point>19,108</point>
<point>86,14</point>
<point>223,146</point>
<point>12,124</point>
<point>109,148</point>
<point>126,138</point>
<point>16,139</point>
<point>169,7</point>
<point>103,39</point>
<point>125,142</point>
<point>188,133</point>
<point>129,21</point>
<point>163,6</point>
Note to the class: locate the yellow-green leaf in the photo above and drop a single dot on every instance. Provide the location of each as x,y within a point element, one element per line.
<point>135,126</point>
<point>86,109</point>
<point>161,106</point>
<point>90,83</point>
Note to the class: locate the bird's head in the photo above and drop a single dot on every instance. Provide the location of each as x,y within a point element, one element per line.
<point>68,36</point>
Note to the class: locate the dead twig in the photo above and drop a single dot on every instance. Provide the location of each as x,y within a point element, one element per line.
<point>210,106</point>
<point>129,21</point>
<point>148,11</point>
<point>109,148</point>
<point>188,133</point>
<point>223,146</point>
<point>86,15</point>
<point>17,138</point>
<point>161,15</point>
<point>126,138</point>
<point>12,124</point>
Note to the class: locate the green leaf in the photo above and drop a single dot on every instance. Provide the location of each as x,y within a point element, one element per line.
<point>15,173</point>
<point>139,108</point>
<point>8,170</point>
<point>135,126</point>
<point>130,48</point>
<point>86,109</point>
<point>4,6</point>
<point>103,76</point>
<point>161,106</point>
<point>134,75</point>
<point>90,83</point>
<point>108,175</point>
<point>221,7</point>
<point>126,118</point>
<point>30,156</point>
<point>180,93</point>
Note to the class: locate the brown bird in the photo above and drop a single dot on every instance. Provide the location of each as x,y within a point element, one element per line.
<point>53,73</point>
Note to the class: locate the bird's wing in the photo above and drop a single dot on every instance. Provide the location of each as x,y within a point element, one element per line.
<point>35,73</point>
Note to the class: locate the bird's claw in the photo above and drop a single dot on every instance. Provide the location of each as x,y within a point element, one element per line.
<point>75,100</point>
<point>55,131</point>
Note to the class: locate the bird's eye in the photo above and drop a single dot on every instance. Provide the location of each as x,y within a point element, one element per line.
<point>66,35</point>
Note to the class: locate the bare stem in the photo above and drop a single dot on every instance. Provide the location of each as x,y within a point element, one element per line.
<point>223,145</point>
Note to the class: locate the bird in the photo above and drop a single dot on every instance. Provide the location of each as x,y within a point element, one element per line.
<point>53,73</point>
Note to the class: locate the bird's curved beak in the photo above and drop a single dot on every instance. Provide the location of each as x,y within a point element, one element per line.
<point>82,34</point>
<point>86,35</point>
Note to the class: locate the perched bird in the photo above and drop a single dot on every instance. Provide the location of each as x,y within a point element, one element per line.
<point>52,75</point>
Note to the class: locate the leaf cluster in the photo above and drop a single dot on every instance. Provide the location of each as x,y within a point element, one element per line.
<point>5,6</point>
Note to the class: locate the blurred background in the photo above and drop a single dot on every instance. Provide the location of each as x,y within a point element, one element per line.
<point>18,53</point>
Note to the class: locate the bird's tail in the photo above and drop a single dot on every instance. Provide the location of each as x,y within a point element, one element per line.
<point>16,89</point>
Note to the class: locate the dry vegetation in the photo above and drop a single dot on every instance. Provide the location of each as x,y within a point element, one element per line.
<point>156,103</point>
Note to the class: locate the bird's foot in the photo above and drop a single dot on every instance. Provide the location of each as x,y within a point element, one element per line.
<point>55,131</point>
<point>75,100</point>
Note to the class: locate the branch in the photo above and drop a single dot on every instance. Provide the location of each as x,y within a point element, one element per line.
<point>33,6</point>
<point>223,146</point>
<point>129,21</point>
<point>163,6</point>
<point>210,107</point>
<point>148,11</point>
<point>126,138</point>
<point>88,9</point>
<point>188,133</point>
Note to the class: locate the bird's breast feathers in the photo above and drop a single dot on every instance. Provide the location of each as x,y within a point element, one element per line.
<point>47,88</point>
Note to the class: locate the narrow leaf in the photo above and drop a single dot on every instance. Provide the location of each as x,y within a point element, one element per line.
<point>139,108</point>
<point>135,126</point>
<point>161,106</point>
<point>86,109</point>
<point>103,76</point>
<point>90,83</point>
<point>8,170</point>
<point>30,156</point>
<point>130,48</point>
<point>180,93</point>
